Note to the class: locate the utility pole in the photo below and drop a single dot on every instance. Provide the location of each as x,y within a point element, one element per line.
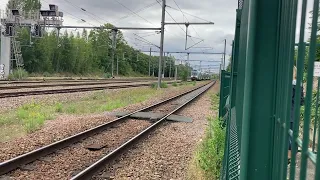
<point>220,72</point>
<point>188,56</point>
<point>123,56</point>
<point>161,40</point>
<point>222,63</point>
<point>164,64</point>
<point>176,72</point>
<point>136,64</point>
<point>170,62</point>
<point>150,63</point>
<point>224,55</point>
<point>117,65</point>
<point>114,43</point>
<point>153,69</point>
<point>58,46</point>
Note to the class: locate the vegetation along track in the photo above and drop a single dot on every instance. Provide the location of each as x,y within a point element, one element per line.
<point>69,156</point>
<point>71,90</point>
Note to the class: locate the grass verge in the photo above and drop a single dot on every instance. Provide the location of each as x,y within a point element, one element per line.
<point>208,158</point>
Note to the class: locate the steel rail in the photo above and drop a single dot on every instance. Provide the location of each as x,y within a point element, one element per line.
<point>31,156</point>
<point>56,85</point>
<point>72,80</point>
<point>57,91</point>
<point>68,83</point>
<point>98,165</point>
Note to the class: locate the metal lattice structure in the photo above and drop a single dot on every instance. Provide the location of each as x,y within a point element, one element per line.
<point>240,4</point>
<point>260,112</point>
<point>12,21</point>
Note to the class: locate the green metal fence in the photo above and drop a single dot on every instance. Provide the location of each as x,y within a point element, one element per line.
<point>258,99</point>
<point>224,92</point>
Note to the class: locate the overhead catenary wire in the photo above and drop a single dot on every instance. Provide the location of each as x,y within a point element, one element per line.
<point>71,15</point>
<point>183,13</point>
<point>176,22</point>
<point>187,13</point>
<point>134,12</point>
<point>86,12</point>
<point>191,26</point>
<point>134,42</point>
<point>144,40</point>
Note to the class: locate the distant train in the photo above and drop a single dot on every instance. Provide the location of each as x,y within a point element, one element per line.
<point>197,75</point>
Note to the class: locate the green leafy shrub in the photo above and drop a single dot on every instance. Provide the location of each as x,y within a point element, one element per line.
<point>163,85</point>
<point>59,108</point>
<point>175,84</point>
<point>107,75</point>
<point>17,74</point>
<point>154,85</point>
<point>46,74</point>
<point>184,75</point>
<point>313,108</point>
<point>212,150</point>
<point>215,102</point>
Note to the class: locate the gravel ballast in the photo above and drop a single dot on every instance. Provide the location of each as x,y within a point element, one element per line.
<point>66,162</point>
<point>166,152</point>
<point>67,125</point>
<point>70,160</point>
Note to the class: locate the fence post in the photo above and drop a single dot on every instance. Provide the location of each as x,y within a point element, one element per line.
<point>257,67</point>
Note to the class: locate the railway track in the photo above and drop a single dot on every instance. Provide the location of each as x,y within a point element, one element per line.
<point>71,90</point>
<point>83,155</point>
<point>42,85</point>
<point>41,81</point>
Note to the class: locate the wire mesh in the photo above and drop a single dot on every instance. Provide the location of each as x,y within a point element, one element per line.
<point>303,162</point>
<point>240,4</point>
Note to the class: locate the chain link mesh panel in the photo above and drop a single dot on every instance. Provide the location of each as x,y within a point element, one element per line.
<point>240,4</point>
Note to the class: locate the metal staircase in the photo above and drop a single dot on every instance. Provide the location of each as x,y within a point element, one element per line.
<point>16,52</point>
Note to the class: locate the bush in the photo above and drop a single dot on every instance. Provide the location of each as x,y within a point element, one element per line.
<point>212,150</point>
<point>163,85</point>
<point>215,102</point>
<point>313,109</point>
<point>46,74</point>
<point>58,108</point>
<point>175,84</point>
<point>31,116</point>
<point>18,74</point>
<point>184,75</point>
<point>154,85</point>
<point>106,75</point>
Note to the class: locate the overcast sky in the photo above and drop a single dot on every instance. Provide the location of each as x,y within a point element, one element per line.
<point>221,12</point>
